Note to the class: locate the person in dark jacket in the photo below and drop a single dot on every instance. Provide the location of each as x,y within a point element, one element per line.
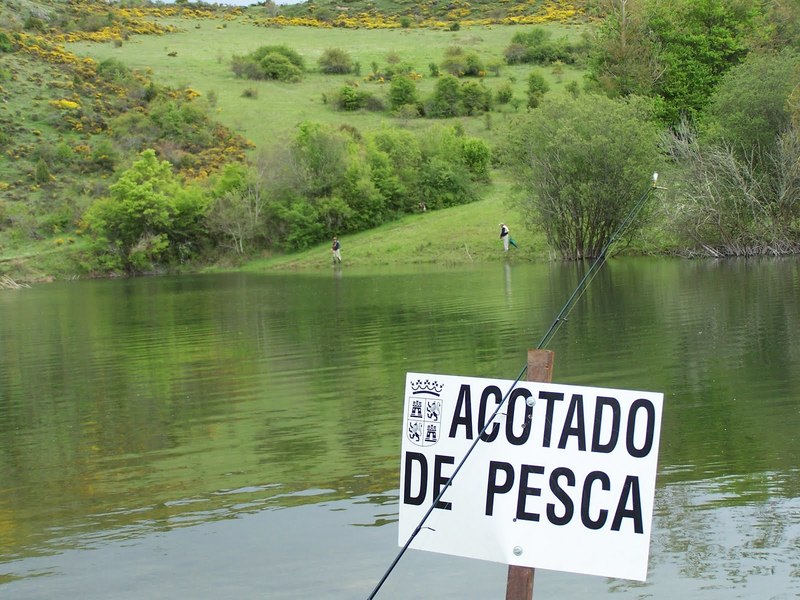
<point>336,248</point>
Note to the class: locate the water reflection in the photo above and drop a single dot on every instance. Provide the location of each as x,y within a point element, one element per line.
<point>193,430</point>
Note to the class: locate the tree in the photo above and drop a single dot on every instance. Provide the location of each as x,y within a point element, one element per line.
<point>149,217</point>
<point>445,183</point>
<point>624,60</point>
<point>741,184</point>
<point>581,165</point>
<point>675,50</point>
<point>749,108</point>
<point>697,41</point>
<point>321,155</point>
<point>783,25</point>
<point>235,213</point>
<point>395,157</point>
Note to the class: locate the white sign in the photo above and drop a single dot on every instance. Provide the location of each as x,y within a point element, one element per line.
<point>563,478</point>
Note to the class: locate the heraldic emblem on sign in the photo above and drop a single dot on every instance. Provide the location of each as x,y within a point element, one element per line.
<point>424,420</point>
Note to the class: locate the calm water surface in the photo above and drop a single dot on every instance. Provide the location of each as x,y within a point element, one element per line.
<point>238,435</point>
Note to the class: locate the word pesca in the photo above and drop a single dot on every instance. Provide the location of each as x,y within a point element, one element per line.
<point>502,476</point>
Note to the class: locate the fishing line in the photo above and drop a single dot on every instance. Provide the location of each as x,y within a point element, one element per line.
<point>562,315</point>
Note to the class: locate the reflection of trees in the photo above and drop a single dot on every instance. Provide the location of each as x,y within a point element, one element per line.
<point>709,531</point>
<point>717,337</point>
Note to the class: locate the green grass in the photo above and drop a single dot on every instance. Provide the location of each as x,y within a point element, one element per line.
<point>42,260</point>
<point>203,50</point>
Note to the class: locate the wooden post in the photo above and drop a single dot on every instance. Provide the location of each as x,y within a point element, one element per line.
<point>519,585</point>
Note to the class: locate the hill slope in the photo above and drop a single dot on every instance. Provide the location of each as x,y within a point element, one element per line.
<point>72,73</point>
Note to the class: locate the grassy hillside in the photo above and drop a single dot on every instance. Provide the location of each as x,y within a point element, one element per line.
<point>199,54</point>
<point>57,115</point>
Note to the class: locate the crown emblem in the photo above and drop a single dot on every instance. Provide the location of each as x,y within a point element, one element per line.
<point>426,387</point>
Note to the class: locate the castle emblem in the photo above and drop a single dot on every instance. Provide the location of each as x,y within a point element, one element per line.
<point>424,419</point>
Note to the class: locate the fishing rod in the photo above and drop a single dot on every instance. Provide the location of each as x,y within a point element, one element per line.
<point>583,284</point>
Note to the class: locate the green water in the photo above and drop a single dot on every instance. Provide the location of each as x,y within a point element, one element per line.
<point>238,435</point>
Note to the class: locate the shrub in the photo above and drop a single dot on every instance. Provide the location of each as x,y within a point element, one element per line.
<point>407,111</point>
<point>475,67</point>
<point>279,67</point>
<point>504,93</point>
<point>403,91</point>
<point>104,156</point>
<point>6,45</point>
<point>350,98</point>
<point>475,98</point>
<point>455,61</point>
<point>477,157</point>
<point>41,173</point>
<point>536,46</point>
<point>293,56</point>
<point>515,53</point>
<point>398,69</point>
<point>183,123</point>
<point>269,62</point>
<point>537,88</point>
<point>335,61</point>
<point>573,89</point>
<point>112,69</point>
<point>446,100</point>
<point>729,205</point>
<point>460,63</point>
<point>34,23</point>
<point>246,67</point>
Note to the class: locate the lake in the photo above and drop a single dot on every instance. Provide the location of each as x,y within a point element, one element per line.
<point>238,435</point>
